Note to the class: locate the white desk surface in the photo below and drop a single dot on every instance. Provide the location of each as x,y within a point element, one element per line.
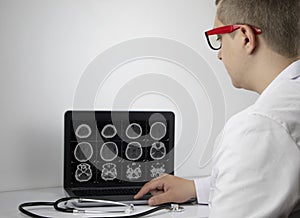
<point>9,202</point>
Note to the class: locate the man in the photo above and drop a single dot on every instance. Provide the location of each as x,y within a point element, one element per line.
<point>256,161</point>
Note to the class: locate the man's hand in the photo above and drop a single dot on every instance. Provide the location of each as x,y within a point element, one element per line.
<point>168,188</point>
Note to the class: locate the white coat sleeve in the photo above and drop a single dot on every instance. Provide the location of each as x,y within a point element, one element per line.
<point>202,186</point>
<point>256,170</point>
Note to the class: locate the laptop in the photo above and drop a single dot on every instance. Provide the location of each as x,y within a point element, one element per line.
<point>110,155</point>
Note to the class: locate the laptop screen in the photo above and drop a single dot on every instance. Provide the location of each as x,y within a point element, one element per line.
<point>117,148</point>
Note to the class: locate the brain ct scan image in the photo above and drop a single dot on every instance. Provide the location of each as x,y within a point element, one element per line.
<point>133,171</point>
<point>133,131</point>
<point>83,131</point>
<point>109,131</point>
<point>158,130</point>
<point>109,151</point>
<point>83,151</point>
<point>117,148</point>
<point>158,151</point>
<point>133,151</point>
<point>109,171</point>
<point>83,172</point>
<point>157,170</point>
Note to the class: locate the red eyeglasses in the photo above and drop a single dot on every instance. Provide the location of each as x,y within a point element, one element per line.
<point>214,39</point>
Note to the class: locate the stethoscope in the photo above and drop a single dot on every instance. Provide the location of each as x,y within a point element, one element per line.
<point>66,205</point>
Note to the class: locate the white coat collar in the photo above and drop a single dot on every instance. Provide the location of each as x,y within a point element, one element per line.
<point>291,72</point>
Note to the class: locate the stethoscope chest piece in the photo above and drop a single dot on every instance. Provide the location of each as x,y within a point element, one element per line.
<point>176,208</point>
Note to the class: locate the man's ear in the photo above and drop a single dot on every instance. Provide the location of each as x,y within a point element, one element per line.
<point>250,41</point>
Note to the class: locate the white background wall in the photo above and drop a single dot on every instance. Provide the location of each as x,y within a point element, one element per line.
<point>45,46</point>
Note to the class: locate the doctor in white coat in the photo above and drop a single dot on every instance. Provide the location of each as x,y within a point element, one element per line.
<point>256,160</point>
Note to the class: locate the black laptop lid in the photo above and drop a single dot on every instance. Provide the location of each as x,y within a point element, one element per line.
<point>117,148</point>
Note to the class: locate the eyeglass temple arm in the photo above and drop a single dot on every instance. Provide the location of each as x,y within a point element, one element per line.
<point>229,29</point>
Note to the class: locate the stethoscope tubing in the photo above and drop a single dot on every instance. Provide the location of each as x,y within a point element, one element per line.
<point>72,210</point>
<point>34,204</point>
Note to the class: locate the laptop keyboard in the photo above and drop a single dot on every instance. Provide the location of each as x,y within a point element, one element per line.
<point>108,191</point>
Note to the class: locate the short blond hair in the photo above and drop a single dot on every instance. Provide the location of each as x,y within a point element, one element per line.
<point>278,19</point>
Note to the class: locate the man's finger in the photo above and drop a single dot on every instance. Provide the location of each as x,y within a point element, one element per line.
<point>160,199</point>
<point>156,192</point>
<point>152,185</point>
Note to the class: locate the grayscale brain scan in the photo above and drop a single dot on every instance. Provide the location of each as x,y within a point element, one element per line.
<point>83,151</point>
<point>109,171</point>
<point>157,169</point>
<point>133,131</point>
<point>134,151</point>
<point>109,151</point>
<point>83,172</point>
<point>158,150</point>
<point>105,148</point>
<point>158,130</point>
<point>133,171</point>
<point>109,131</point>
<point>83,131</point>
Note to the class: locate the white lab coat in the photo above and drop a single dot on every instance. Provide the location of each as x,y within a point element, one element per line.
<point>256,160</point>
